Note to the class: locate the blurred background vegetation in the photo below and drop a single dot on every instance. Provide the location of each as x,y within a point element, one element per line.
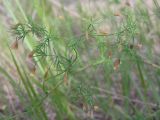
<point>79,60</point>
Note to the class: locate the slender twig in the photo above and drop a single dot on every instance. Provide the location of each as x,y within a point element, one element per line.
<point>121,97</point>
<point>152,64</point>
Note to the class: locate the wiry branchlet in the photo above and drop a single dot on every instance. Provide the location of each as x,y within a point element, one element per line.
<point>37,29</point>
<point>42,49</point>
<point>20,31</point>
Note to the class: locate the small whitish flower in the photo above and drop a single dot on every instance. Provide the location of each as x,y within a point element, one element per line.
<point>116,64</point>
<point>61,17</point>
<point>96,108</point>
<point>30,55</point>
<point>65,79</point>
<point>139,46</point>
<point>15,45</point>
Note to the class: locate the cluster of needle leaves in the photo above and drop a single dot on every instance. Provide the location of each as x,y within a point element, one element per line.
<point>104,59</point>
<point>46,50</point>
<point>83,95</point>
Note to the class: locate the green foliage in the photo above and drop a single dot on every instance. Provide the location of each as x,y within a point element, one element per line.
<point>85,64</point>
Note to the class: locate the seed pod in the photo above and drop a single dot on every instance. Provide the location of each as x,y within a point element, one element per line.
<point>116,64</point>
<point>15,45</point>
<point>31,66</point>
<point>87,36</point>
<point>30,55</point>
<point>46,73</point>
<point>110,54</point>
<point>117,14</point>
<point>102,32</point>
<point>33,70</point>
<point>128,3</point>
<point>65,79</point>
